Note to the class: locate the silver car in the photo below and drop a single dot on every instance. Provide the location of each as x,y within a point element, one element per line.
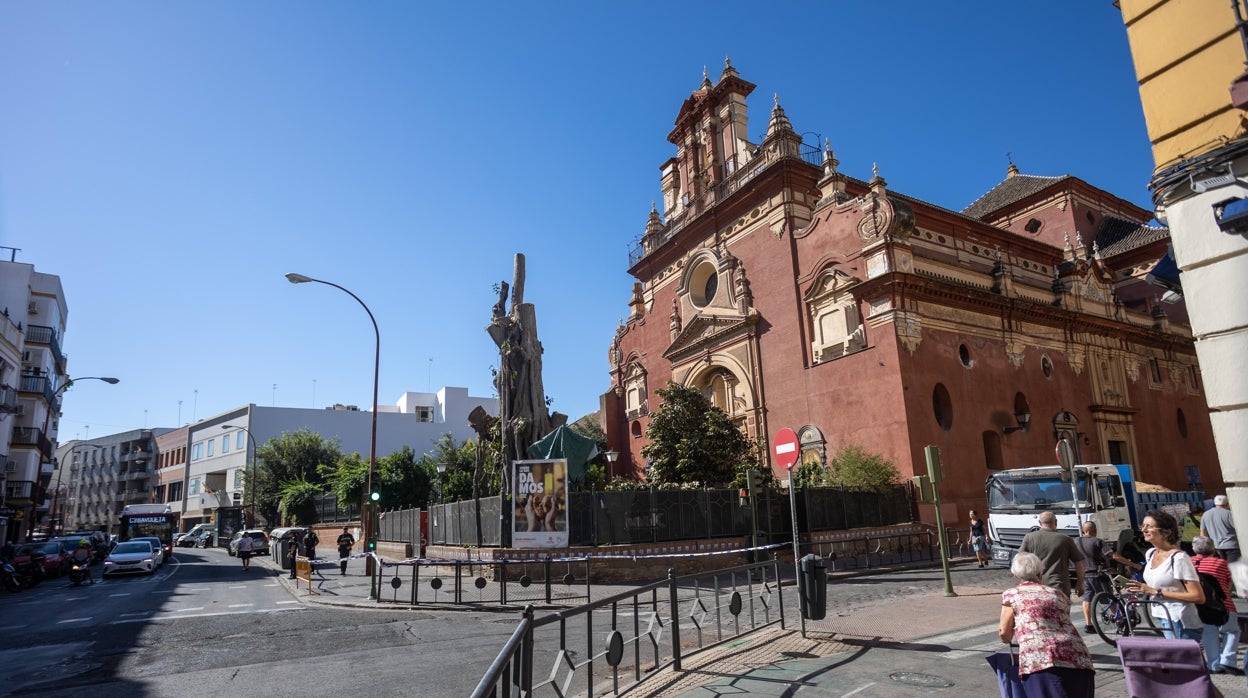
<point>132,557</point>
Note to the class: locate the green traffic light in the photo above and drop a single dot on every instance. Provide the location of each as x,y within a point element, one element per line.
<point>376,496</point>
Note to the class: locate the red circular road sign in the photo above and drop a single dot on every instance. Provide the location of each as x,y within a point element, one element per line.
<point>784,448</point>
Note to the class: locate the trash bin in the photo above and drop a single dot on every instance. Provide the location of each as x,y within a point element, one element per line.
<point>283,548</point>
<point>813,592</point>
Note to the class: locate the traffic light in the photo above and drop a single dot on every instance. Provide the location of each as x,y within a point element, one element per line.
<point>745,497</point>
<point>372,546</point>
<point>375,497</point>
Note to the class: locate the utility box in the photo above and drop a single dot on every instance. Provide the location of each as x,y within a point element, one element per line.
<point>812,576</point>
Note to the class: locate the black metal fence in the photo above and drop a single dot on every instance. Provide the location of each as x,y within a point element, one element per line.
<point>647,629</point>
<point>655,516</point>
<point>480,582</point>
<point>328,509</point>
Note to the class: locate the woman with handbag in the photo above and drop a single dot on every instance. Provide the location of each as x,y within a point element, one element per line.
<point>1052,658</point>
<point>1170,579</point>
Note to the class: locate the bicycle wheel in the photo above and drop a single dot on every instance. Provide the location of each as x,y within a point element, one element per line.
<point>1109,618</point>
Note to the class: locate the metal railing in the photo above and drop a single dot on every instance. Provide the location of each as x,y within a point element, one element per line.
<point>8,400</point>
<point>480,582</point>
<point>41,334</point>
<point>643,633</point>
<point>18,489</point>
<point>32,436</point>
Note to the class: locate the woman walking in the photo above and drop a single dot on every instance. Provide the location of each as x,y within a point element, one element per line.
<point>1052,659</point>
<point>979,539</point>
<point>1170,578</point>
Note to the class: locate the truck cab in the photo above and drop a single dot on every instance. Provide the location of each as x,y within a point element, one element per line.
<point>1016,498</point>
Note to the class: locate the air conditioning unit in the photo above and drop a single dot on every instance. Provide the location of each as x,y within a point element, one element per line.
<point>32,308</point>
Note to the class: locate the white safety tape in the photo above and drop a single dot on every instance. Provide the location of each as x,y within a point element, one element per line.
<point>601,556</point>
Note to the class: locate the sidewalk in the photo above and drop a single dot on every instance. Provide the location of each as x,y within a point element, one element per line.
<point>880,644</point>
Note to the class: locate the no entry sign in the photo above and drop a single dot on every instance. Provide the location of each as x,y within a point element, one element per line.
<point>784,448</point>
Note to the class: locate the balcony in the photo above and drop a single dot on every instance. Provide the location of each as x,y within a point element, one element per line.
<point>39,334</point>
<point>18,489</point>
<point>40,385</point>
<point>137,475</point>
<point>31,436</point>
<point>8,400</point>
<point>136,457</point>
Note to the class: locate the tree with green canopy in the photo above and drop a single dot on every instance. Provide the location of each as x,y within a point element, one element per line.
<point>694,443</point>
<point>294,458</point>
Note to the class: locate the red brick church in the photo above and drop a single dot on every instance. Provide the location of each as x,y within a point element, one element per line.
<point>797,296</point>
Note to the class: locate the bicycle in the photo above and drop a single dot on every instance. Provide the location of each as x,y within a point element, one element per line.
<point>1118,613</point>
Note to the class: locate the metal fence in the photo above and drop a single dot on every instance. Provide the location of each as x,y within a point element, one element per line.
<point>480,582</point>
<point>656,516</point>
<point>401,526</point>
<point>328,509</point>
<point>647,630</point>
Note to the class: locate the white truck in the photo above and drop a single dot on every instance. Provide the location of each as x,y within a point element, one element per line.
<point>1102,493</point>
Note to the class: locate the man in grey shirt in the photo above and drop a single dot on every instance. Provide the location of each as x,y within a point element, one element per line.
<point>1218,524</point>
<point>1057,551</point>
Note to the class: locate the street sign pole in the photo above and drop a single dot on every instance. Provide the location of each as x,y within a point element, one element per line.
<point>1066,456</point>
<point>786,451</point>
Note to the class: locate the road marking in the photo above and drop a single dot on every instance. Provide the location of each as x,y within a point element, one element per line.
<point>182,610</point>
<point>278,603</point>
<point>272,585</point>
<point>241,586</point>
<point>19,627</point>
<point>111,596</point>
<point>203,589</point>
<point>203,615</point>
<point>74,620</point>
<point>240,605</point>
<point>136,613</point>
<point>860,689</point>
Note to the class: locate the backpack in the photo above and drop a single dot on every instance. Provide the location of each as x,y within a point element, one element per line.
<point>1213,610</point>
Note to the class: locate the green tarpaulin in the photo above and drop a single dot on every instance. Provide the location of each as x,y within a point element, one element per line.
<point>565,443</point>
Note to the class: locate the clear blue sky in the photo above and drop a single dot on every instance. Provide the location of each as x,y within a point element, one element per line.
<point>172,161</point>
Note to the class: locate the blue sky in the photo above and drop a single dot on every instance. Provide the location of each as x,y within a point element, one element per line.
<point>172,161</point>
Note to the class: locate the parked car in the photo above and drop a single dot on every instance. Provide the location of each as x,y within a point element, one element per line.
<point>259,541</point>
<point>100,542</point>
<point>56,557</point>
<point>204,539</point>
<point>156,545</point>
<point>192,537</point>
<point>69,543</point>
<point>133,556</point>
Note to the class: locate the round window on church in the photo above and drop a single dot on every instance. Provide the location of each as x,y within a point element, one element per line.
<point>703,285</point>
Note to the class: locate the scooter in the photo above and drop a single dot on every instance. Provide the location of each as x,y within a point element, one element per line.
<point>9,578</point>
<point>80,573</point>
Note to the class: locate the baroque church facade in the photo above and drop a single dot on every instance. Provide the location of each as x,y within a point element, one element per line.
<point>796,296</point>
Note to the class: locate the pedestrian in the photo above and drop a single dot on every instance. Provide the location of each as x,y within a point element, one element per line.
<point>1221,642</point>
<point>245,543</point>
<point>1093,549</point>
<point>1170,578</point>
<point>1052,658</point>
<point>1057,551</point>
<point>309,544</point>
<point>345,542</point>
<point>979,539</point>
<point>1218,524</point>
<point>292,552</point>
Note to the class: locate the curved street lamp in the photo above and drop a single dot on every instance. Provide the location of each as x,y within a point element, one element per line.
<point>369,531</point>
<point>47,417</point>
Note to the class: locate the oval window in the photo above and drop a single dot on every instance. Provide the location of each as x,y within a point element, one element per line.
<point>965,355</point>
<point>1046,365</point>
<point>942,407</point>
<point>703,285</point>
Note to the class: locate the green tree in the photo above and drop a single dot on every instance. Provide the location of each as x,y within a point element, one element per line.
<point>596,470</point>
<point>292,457</point>
<point>402,482</point>
<point>296,501</point>
<point>694,443</point>
<point>460,460</point>
<point>853,467</point>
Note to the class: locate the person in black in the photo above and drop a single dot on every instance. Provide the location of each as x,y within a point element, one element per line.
<point>345,543</point>
<point>292,553</point>
<point>1093,549</point>
<point>979,540</point>
<point>309,544</point>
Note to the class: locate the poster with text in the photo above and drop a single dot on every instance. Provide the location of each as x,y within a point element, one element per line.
<point>541,498</point>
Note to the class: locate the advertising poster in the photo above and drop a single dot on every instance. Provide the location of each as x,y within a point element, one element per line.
<point>541,497</point>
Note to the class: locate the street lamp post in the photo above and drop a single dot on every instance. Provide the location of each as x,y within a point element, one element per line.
<point>47,417</point>
<point>612,457</point>
<point>365,510</point>
<point>56,491</point>
<point>251,476</point>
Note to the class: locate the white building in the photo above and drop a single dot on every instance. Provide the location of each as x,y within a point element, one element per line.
<point>219,450</point>
<point>32,379</point>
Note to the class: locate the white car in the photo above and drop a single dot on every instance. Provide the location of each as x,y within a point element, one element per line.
<point>130,557</point>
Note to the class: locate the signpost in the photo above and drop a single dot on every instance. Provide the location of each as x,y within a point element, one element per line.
<point>1066,457</point>
<point>786,451</point>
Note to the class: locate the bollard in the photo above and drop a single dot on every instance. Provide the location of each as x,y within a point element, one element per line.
<point>813,590</point>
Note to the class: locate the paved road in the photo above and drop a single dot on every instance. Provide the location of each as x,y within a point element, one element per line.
<point>202,626</point>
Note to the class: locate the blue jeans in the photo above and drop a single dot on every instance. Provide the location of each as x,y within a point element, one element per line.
<point>1221,643</point>
<point>1173,629</point>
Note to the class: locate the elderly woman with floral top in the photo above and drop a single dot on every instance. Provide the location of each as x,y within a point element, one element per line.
<point>1052,659</point>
